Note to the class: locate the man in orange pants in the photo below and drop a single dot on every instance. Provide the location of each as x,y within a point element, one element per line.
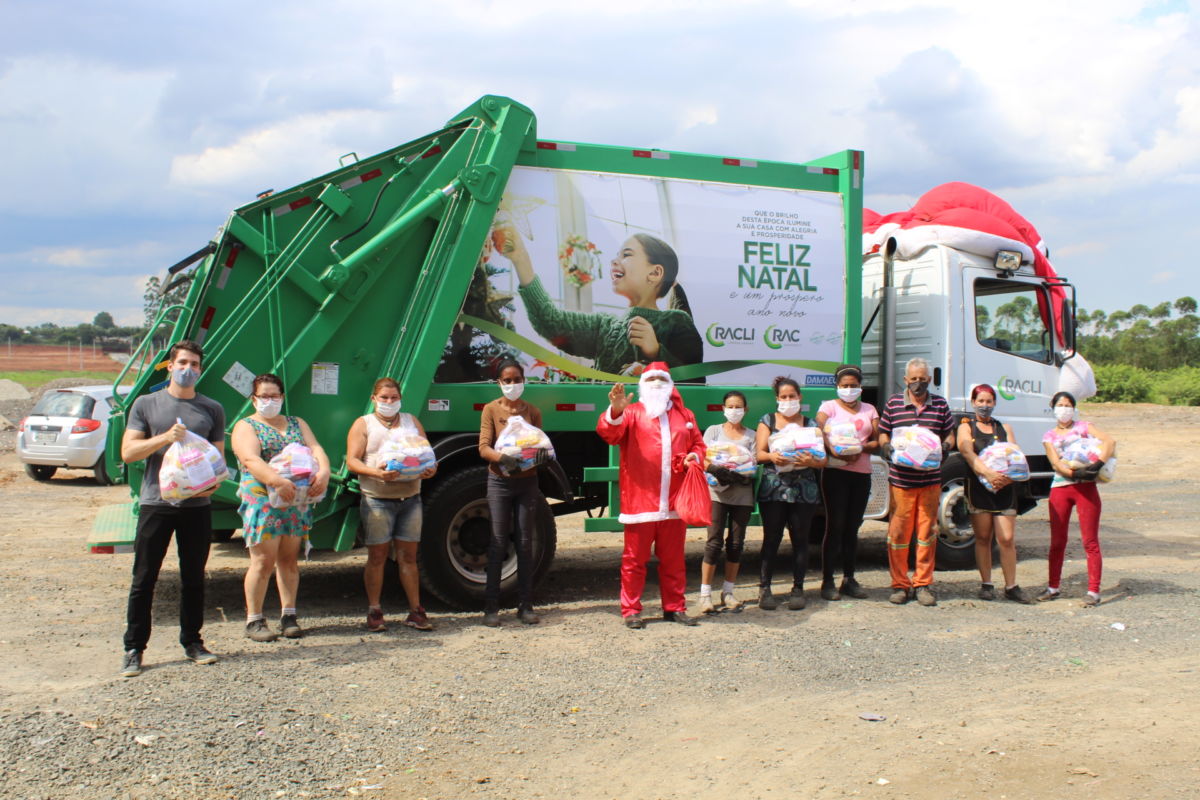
<point>915,493</point>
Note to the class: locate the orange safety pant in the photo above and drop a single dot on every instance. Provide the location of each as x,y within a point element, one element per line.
<point>914,513</point>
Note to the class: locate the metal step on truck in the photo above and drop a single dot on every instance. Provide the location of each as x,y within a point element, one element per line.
<point>431,262</point>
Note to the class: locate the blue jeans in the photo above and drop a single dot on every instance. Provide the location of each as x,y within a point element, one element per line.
<point>386,520</point>
<point>505,494</point>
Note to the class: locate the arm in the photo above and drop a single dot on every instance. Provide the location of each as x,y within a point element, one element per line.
<point>136,446</point>
<point>321,479</point>
<point>1057,463</point>
<point>1110,444</point>
<point>676,344</point>
<point>249,452</point>
<point>575,332</point>
<point>807,459</point>
<point>762,446</point>
<point>356,450</point>
<point>613,423</point>
<point>966,446</point>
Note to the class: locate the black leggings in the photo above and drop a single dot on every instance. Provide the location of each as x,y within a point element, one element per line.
<point>798,519</point>
<point>846,495</point>
<point>503,495</point>
<point>738,517</point>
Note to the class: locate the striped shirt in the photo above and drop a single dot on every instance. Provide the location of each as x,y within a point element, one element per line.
<point>934,415</point>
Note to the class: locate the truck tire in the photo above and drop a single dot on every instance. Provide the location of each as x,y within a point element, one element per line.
<point>956,537</point>
<point>40,472</point>
<point>454,539</point>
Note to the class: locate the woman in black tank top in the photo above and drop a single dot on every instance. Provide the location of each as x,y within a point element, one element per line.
<point>992,513</point>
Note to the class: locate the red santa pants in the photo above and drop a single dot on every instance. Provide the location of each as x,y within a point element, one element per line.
<point>667,537</point>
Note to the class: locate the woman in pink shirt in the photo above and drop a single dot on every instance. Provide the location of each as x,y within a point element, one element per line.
<point>847,486</point>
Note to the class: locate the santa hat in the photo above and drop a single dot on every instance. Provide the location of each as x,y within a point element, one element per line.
<point>656,369</point>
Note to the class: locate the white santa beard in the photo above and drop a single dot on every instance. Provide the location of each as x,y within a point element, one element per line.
<point>655,399</point>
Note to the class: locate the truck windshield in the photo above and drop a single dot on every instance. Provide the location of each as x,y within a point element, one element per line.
<point>65,404</point>
<point>1007,319</point>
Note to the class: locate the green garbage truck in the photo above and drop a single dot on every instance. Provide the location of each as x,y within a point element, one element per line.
<point>433,261</point>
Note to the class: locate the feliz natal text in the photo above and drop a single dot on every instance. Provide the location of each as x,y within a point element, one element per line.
<point>773,265</point>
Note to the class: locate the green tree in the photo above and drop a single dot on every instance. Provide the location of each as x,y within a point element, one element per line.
<point>1161,311</point>
<point>1186,305</point>
<point>104,321</point>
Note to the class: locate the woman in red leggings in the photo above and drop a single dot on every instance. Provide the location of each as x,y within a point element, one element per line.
<point>1074,488</point>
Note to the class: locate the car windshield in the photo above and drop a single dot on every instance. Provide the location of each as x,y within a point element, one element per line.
<point>65,404</point>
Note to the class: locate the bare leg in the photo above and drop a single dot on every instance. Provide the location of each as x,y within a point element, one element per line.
<point>377,555</point>
<point>1005,536</point>
<point>287,570</point>
<point>982,525</point>
<point>410,579</point>
<point>258,575</point>
<point>709,571</point>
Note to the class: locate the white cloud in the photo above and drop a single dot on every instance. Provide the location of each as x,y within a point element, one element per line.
<point>1163,277</point>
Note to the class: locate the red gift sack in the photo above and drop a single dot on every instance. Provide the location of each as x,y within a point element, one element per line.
<point>693,502</point>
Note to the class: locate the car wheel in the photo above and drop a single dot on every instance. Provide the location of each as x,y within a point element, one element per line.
<point>454,540</point>
<point>100,472</point>
<point>40,472</point>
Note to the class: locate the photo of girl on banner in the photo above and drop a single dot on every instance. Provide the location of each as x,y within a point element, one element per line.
<point>644,271</point>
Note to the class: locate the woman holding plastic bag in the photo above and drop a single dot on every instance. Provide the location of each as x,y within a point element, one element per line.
<point>1074,487</point>
<point>789,492</point>
<point>275,534</point>
<point>851,434</point>
<point>513,444</point>
<point>991,495</point>
<point>390,505</point>
<point>731,464</point>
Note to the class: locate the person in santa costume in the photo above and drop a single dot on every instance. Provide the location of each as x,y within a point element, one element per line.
<point>657,437</point>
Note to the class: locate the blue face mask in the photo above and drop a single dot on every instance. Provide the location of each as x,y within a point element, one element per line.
<point>185,378</point>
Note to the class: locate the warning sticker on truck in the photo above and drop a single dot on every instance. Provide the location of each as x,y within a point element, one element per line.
<point>324,378</point>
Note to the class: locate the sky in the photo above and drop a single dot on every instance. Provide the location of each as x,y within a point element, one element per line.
<point>129,130</point>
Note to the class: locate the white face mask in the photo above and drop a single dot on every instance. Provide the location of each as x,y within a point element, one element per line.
<point>735,415</point>
<point>268,407</point>
<point>387,409</point>
<point>1064,413</point>
<point>849,394</point>
<point>789,408</point>
<point>513,391</point>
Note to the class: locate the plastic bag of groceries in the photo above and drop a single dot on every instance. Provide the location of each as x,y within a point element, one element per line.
<point>407,452</point>
<point>732,457</point>
<point>1005,458</point>
<point>917,448</point>
<point>843,438</point>
<point>1085,451</point>
<point>793,439</point>
<point>522,440</point>
<point>296,463</point>
<point>190,467</point>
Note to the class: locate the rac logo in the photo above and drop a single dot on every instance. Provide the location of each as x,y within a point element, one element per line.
<point>775,338</point>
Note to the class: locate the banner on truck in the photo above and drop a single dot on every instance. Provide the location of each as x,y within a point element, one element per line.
<point>590,276</point>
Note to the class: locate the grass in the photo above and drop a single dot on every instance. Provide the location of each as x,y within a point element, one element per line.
<point>32,379</point>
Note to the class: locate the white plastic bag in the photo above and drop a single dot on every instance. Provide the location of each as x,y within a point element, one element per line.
<point>1085,451</point>
<point>190,467</point>
<point>296,463</point>
<point>732,457</point>
<point>406,452</point>
<point>523,441</point>
<point>1005,458</point>
<point>793,439</point>
<point>843,438</point>
<point>917,448</point>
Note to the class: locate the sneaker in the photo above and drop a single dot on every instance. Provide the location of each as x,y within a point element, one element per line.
<point>131,665</point>
<point>528,616</point>
<point>925,596</point>
<point>766,600</point>
<point>1091,600</point>
<point>796,600</point>
<point>706,604</point>
<point>375,622</point>
<point>491,619</point>
<point>900,596</point>
<point>1017,595</point>
<point>289,627</point>
<point>635,622</point>
<point>681,617</point>
<point>196,651</point>
<point>730,602</point>
<point>829,591</point>
<point>1047,595</point>
<point>987,591</point>
<point>417,618</point>
<point>852,588</point>
<point>259,631</point>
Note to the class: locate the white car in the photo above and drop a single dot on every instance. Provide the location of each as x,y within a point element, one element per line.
<point>67,428</point>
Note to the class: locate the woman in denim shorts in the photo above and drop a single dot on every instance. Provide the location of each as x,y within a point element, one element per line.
<point>390,507</point>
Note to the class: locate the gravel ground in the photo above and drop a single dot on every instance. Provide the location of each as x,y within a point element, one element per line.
<point>1047,700</point>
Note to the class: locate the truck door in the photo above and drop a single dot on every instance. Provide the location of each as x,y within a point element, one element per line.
<point>1008,344</point>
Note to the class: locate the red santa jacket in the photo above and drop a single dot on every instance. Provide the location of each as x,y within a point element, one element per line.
<point>650,474</point>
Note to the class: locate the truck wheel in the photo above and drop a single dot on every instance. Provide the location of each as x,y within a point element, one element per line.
<point>454,542</point>
<point>100,472</point>
<point>956,537</point>
<point>40,472</point>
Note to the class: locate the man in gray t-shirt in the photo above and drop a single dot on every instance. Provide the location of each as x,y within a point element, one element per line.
<point>157,421</point>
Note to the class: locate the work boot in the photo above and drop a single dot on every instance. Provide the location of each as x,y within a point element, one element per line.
<point>289,627</point>
<point>1017,595</point>
<point>925,596</point>
<point>491,618</point>
<point>796,600</point>
<point>899,596</point>
<point>706,604</point>
<point>258,631</point>
<point>829,590</point>
<point>766,600</point>
<point>852,588</point>
<point>730,602</point>
<point>528,616</point>
<point>681,617</point>
<point>987,592</point>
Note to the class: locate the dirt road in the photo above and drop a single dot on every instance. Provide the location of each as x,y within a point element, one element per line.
<point>980,699</point>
